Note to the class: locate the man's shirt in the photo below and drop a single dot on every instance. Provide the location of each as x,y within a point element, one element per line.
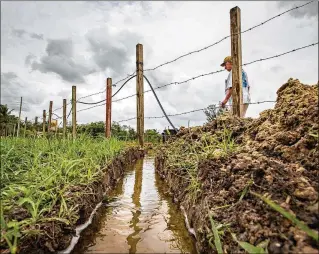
<point>228,84</point>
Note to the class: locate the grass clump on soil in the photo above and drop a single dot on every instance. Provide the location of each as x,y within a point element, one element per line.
<point>43,182</point>
<point>276,155</point>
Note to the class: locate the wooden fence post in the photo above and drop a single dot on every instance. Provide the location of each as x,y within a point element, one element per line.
<point>50,116</point>
<point>43,124</point>
<point>140,93</point>
<point>18,131</point>
<point>235,28</point>
<point>25,125</point>
<point>108,107</point>
<point>74,112</point>
<point>64,118</point>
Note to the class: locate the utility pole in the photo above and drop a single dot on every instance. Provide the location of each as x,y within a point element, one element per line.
<point>235,28</point>
<point>108,107</point>
<point>140,94</point>
<point>64,118</point>
<point>18,131</point>
<point>74,112</point>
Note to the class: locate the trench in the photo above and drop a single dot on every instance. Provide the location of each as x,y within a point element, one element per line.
<point>139,217</point>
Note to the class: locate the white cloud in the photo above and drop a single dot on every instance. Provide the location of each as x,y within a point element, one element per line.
<point>105,34</point>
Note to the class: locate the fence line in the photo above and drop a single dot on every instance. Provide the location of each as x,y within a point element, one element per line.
<point>200,76</point>
<point>131,76</point>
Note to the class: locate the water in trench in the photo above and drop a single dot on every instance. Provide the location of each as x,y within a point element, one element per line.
<point>139,219</point>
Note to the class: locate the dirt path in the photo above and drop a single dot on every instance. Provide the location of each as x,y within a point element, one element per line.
<point>139,219</point>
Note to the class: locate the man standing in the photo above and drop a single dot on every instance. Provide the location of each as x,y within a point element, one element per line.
<point>228,86</point>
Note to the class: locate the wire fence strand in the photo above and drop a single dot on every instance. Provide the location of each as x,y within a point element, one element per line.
<point>192,111</point>
<point>215,43</point>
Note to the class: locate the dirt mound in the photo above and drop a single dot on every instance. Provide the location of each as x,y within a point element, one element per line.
<point>222,167</point>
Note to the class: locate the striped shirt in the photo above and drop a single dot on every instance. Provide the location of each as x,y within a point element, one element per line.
<point>246,85</point>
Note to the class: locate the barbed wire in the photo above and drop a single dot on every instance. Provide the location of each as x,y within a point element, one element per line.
<point>127,77</point>
<point>214,72</point>
<point>214,44</point>
<point>285,53</point>
<point>194,110</point>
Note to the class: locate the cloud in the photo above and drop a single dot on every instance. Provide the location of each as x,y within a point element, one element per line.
<point>19,32</point>
<point>112,50</point>
<point>28,59</point>
<point>36,36</point>
<point>309,10</point>
<point>10,84</point>
<point>59,59</point>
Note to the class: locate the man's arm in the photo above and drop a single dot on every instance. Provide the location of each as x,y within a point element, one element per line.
<point>228,95</point>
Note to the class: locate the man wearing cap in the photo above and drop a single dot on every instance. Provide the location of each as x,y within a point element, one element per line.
<point>228,86</point>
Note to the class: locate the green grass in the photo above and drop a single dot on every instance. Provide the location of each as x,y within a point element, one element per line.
<point>42,175</point>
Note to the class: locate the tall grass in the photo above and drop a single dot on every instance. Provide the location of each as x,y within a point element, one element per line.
<point>42,175</point>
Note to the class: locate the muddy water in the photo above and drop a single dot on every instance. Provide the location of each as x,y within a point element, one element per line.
<point>139,219</point>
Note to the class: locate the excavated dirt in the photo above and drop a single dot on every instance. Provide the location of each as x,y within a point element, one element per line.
<point>276,154</point>
<point>57,236</point>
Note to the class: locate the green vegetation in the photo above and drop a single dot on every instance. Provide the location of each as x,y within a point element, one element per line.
<point>43,180</point>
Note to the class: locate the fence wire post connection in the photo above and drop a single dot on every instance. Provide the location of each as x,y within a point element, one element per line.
<point>140,94</point>
<point>235,30</point>
<point>108,107</point>
<point>74,112</point>
<point>64,118</point>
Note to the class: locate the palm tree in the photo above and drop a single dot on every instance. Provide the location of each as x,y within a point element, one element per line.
<point>6,119</point>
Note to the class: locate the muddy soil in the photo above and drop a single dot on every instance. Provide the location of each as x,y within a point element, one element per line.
<point>57,236</point>
<point>276,154</point>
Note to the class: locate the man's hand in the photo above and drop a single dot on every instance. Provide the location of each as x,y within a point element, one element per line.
<point>223,103</point>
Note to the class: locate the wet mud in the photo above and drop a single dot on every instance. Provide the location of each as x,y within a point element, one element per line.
<point>217,169</point>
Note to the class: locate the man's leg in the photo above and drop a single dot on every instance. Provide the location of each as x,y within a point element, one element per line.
<point>244,109</point>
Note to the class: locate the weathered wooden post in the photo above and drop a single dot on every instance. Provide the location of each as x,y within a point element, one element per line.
<point>64,118</point>
<point>18,131</point>
<point>140,94</point>
<point>235,29</point>
<point>50,116</point>
<point>108,107</point>
<point>43,123</point>
<point>74,112</point>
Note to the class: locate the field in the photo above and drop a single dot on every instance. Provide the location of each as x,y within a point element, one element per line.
<point>250,185</point>
<point>49,185</point>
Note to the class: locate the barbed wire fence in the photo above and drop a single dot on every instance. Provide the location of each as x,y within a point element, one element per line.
<point>123,81</point>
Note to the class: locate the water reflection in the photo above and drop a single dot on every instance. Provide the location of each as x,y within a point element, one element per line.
<point>141,218</point>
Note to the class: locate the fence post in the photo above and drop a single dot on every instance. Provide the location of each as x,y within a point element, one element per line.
<point>25,125</point>
<point>235,28</point>
<point>64,118</point>
<point>108,107</point>
<point>74,112</point>
<point>19,118</point>
<point>140,93</point>
<point>43,124</point>
<point>50,116</point>
<point>14,130</point>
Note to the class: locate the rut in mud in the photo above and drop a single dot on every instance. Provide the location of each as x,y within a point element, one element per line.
<point>218,170</point>
<point>138,217</point>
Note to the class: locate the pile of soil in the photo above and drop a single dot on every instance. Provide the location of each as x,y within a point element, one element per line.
<point>276,154</point>
<point>57,235</point>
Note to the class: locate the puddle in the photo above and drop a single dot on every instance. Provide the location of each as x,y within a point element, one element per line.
<point>139,219</point>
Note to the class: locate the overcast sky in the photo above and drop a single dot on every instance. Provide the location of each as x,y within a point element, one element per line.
<point>46,47</point>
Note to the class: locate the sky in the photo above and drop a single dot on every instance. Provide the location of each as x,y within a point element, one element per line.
<point>48,47</point>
